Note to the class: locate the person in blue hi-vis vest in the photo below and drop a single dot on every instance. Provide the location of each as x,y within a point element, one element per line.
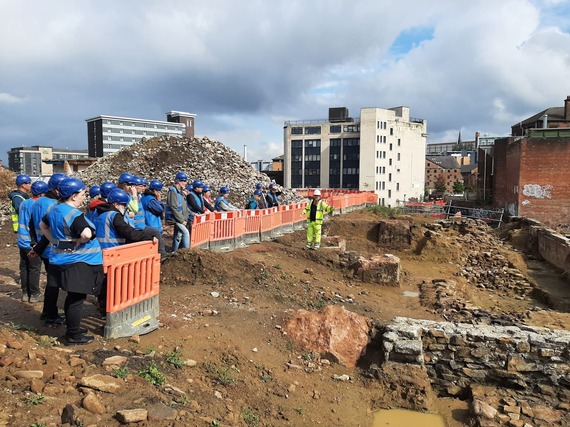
<point>29,266</point>
<point>75,255</point>
<point>153,205</point>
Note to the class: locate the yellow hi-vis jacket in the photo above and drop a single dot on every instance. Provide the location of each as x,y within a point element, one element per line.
<point>321,208</point>
<point>15,214</point>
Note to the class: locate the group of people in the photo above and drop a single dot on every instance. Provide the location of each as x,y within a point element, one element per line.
<point>184,201</point>
<point>53,228</point>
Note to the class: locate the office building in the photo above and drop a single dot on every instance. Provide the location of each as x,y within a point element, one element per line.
<point>39,160</point>
<point>382,151</point>
<point>108,134</point>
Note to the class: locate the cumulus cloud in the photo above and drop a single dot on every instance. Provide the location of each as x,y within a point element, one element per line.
<point>244,68</point>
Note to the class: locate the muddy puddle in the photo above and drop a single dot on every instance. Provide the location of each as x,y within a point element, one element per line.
<point>404,418</point>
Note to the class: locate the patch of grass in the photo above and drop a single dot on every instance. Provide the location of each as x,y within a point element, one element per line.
<point>290,346</point>
<point>34,399</point>
<point>300,410</point>
<point>215,423</point>
<point>266,375</point>
<point>47,342</point>
<point>38,424</point>
<point>121,373</point>
<point>152,374</point>
<point>265,274</point>
<point>310,356</point>
<point>250,417</point>
<point>220,375</point>
<point>23,327</point>
<point>384,211</point>
<point>317,303</point>
<point>174,357</point>
<point>277,266</point>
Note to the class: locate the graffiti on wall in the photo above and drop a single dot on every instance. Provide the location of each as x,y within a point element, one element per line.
<point>538,191</point>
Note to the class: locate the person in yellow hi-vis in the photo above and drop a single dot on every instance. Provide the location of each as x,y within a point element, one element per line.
<point>315,212</point>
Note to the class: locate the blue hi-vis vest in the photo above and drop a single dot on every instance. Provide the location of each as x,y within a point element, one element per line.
<point>138,219</point>
<point>199,201</point>
<point>24,238</point>
<point>168,213</point>
<point>151,219</point>
<point>274,198</point>
<point>39,209</point>
<point>61,218</point>
<point>91,215</point>
<point>217,204</point>
<point>106,234</point>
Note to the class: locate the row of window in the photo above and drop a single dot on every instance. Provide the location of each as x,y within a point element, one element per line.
<point>141,125</point>
<point>316,143</point>
<point>316,130</point>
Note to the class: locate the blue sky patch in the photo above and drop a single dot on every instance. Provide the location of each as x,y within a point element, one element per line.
<point>409,39</point>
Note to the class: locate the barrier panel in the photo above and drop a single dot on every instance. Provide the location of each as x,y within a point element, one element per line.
<point>298,218</point>
<point>133,277</point>
<point>267,222</point>
<point>240,230</point>
<point>252,226</point>
<point>222,230</point>
<point>286,219</point>
<point>200,232</point>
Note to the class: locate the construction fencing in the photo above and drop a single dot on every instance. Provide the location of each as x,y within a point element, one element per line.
<point>133,270</point>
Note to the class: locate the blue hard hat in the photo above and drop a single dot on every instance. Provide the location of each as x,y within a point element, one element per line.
<point>70,186</point>
<point>126,178</point>
<point>259,186</point>
<point>257,193</point>
<point>94,191</point>
<point>224,190</point>
<point>55,179</point>
<point>272,186</point>
<point>189,187</point>
<point>118,196</point>
<point>137,180</point>
<point>155,184</point>
<point>39,187</point>
<point>144,182</point>
<point>205,189</point>
<point>106,188</point>
<point>198,183</point>
<point>181,176</point>
<point>23,179</point>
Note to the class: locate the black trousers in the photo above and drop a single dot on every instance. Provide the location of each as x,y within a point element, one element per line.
<point>74,312</point>
<point>50,310</point>
<point>29,273</point>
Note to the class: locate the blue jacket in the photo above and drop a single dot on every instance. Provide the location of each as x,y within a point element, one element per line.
<point>24,238</point>
<point>153,210</point>
<point>252,204</point>
<point>61,217</point>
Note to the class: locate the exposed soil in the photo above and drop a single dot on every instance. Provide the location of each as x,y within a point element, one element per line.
<point>225,311</point>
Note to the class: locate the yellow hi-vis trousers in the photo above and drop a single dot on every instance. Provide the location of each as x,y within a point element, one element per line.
<point>314,232</point>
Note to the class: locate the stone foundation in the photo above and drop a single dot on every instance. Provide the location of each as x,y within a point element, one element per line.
<point>380,269</point>
<point>395,234</point>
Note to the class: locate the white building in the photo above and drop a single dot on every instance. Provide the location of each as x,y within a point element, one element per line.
<point>383,150</point>
<point>108,134</point>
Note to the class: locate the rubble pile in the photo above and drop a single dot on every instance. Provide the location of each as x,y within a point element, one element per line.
<point>200,158</point>
<point>484,265</point>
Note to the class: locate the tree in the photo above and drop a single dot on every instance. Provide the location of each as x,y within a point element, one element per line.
<point>440,184</point>
<point>458,187</point>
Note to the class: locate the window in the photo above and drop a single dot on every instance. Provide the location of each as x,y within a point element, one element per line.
<point>398,142</point>
<point>352,128</point>
<point>384,139</point>
<point>312,130</point>
<point>314,143</point>
<point>397,186</point>
<point>335,128</point>
<point>389,162</point>
<point>391,131</point>
<point>296,143</point>
<point>377,138</point>
<point>297,131</point>
<point>389,194</point>
<point>390,147</point>
<point>389,177</point>
<point>335,142</point>
<point>398,156</point>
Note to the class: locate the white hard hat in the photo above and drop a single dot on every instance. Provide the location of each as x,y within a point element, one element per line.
<point>317,193</point>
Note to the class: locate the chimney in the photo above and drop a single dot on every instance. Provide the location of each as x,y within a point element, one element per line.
<point>545,121</point>
<point>567,109</point>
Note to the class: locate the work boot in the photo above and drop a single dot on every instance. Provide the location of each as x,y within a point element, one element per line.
<point>39,297</point>
<point>317,246</point>
<point>25,297</point>
<point>55,321</point>
<point>309,246</point>
<point>79,339</point>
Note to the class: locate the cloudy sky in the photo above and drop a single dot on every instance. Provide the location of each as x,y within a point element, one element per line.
<point>244,67</point>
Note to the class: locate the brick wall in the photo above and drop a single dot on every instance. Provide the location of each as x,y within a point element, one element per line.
<point>545,180</point>
<point>500,174</point>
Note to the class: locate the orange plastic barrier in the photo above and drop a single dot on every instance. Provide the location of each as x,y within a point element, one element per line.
<point>252,225</point>
<point>200,232</point>
<point>223,230</point>
<point>133,274</point>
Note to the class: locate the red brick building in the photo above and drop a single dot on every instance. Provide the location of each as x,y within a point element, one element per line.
<point>532,177</point>
<point>444,169</point>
